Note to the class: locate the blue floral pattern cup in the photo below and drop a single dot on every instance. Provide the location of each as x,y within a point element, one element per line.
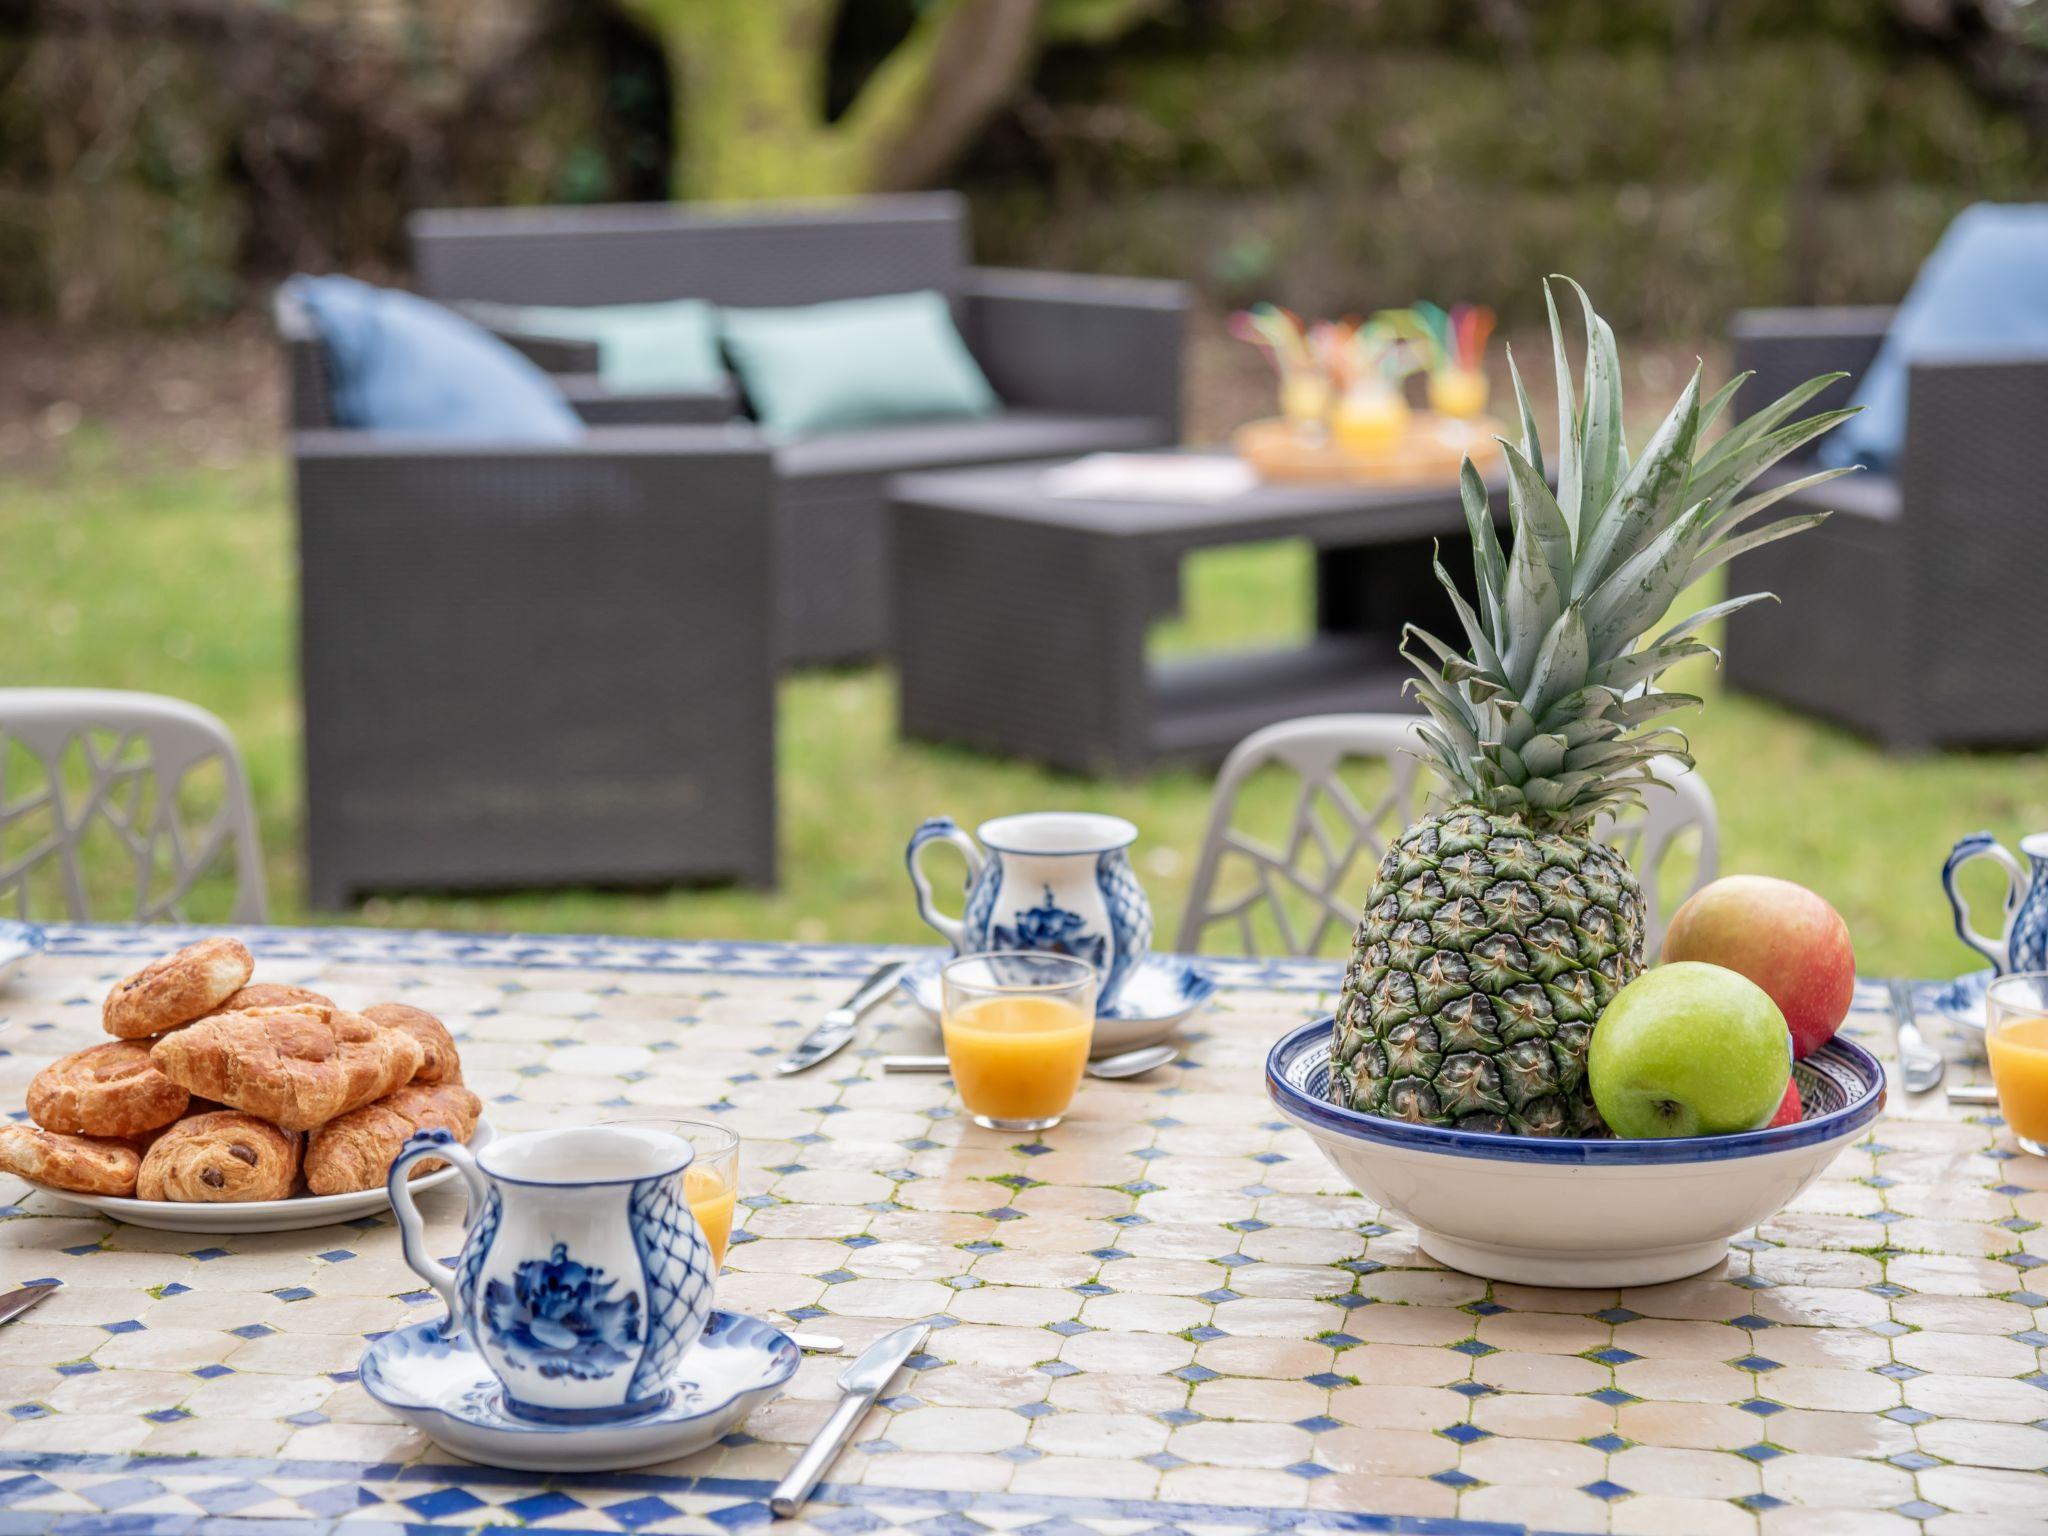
<point>583,1277</point>
<point>1057,881</point>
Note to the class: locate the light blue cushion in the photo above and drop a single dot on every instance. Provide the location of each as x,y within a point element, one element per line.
<point>398,363</point>
<point>854,362</point>
<point>642,349</point>
<point>1984,290</point>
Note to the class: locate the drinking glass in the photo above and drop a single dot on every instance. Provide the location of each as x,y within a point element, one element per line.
<point>2016,1040</point>
<point>1017,1026</point>
<point>711,1183</point>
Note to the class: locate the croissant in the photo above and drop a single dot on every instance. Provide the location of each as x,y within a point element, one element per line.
<point>297,1066</point>
<point>440,1063</point>
<point>356,1151</point>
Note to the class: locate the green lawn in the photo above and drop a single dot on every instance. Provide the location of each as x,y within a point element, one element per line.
<point>180,581</point>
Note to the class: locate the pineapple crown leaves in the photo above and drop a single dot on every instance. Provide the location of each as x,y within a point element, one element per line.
<point>1547,713</point>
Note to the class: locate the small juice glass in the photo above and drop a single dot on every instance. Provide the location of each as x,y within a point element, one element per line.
<point>2016,1040</point>
<point>1017,1027</point>
<point>711,1183</point>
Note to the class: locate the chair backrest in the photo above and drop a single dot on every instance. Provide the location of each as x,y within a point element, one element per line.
<point>745,255</point>
<point>134,795</point>
<point>1308,886</point>
<point>308,386</point>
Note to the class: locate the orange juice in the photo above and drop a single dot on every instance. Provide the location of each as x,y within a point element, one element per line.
<point>1017,1058</point>
<point>2018,1050</point>
<point>711,1202</point>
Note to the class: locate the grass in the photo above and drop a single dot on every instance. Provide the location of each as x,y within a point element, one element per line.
<point>180,581</point>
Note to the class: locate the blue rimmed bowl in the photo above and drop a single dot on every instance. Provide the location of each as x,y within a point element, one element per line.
<point>1573,1212</point>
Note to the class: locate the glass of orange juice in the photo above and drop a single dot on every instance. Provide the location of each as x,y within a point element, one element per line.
<point>1017,1027</point>
<point>712,1181</point>
<point>2016,1040</point>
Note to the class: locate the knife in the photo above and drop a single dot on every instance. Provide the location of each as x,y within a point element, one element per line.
<point>839,1025</point>
<point>861,1382</point>
<point>14,1303</point>
<point>1920,1064</point>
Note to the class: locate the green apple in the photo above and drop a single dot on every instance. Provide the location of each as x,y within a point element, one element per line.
<point>1689,1049</point>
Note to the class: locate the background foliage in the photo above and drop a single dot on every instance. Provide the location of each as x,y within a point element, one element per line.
<point>1680,156</point>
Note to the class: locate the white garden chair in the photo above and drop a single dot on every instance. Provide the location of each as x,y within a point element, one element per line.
<point>1307,887</point>
<point>128,797</point>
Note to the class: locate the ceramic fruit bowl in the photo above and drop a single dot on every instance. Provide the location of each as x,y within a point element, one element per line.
<point>1578,1212</point>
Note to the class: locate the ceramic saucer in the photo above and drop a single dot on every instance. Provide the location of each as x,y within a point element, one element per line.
<point>1961,1001</point>
<point>1161,993</point>
<point>17,942</point>
<point>443,1388</point>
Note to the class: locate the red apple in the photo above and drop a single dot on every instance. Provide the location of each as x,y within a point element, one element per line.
<point>1781,936</point>
<point>1789,1107</point>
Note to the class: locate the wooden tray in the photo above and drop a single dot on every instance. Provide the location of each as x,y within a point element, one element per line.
<point>1430,453</point>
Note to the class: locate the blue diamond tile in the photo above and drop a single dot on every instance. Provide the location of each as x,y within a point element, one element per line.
<point>1034,1410</point>
<point>28,1411</point>
<point>1309,1470</point>
<point>173,1289</point>
<point>1914,1461</point>
<point>1603,1489</point>
<point>27,1486</point>
<point>1908,1415</point>
<point>1477,1309</point>
<point>1020,1453</point>
<point>2027,1298</point>
<point>1339,1340</point>
<point>78,1368</point>
<point>1107,1255</point>
<point>1059,1368</point>
<point>82,1249</point>
<point>123,1492</point>
<point>736,1517</point>
<point>1196,1373</point>
<point>1900,1372</point>
<point>1752,1322</point>
<point>1752,1282</point>
<point>1206,1332</point>
<point>1328,1380</point>
<point>836,1276</point>
<point>1068,1328</point>
<point>634,1513</point>
<point>1757,1503</point>
<point>1090,1288</point>
<point>542,1506</point>
<point>292,1293</point>
<point>1919,1509</point>
<point>1887,1329</point>
<point>1478,1389</point>
<point>126,1325</point>
<point>1163,1461</point>
<point>1178,1416</point>
<point>1318,1424</point>
<point>336,1255</point>
<point>1476,1348</point>
<point>1613,1355</point>
<point>1762,1407</point>
<point>1757,1363</point>
<point>1760,1452</point>
<point>1218,1297</point>
<point>229,1498</point>
<point>439,1503</point>
<point>1465,1434</point>
<point>1613,1397</point>
<point>1887,1290</point>
<point>1618,1315</point>
<point>1354,1301</point>
<point>167,1415</point>
<point>1454,1478</point>
<point>2033,1336</point>
<point>1610,1443</point>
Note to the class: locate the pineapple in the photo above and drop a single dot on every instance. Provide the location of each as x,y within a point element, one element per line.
<point>1497,929</point>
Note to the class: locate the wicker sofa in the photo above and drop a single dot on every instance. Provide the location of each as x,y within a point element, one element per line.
<point>1082,364</point>
<point>531,666</point>
<point>1912,614</point>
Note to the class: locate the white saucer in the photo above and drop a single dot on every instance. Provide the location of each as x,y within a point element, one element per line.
<point>1161,993</point>
<point>293,1215</point>
<point>1961,1001</point>
<point>17,942</point>
<point>443,1388</point>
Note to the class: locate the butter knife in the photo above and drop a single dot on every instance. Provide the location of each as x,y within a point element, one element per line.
<point>839,1025</point>
<point>1920,1064</point>
<point>861,1383</point>
<point>14,1303</point>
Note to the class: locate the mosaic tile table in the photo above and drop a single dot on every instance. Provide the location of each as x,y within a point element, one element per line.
<point>1167,1315</point>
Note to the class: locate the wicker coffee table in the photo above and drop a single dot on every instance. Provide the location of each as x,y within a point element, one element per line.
<point>1020,617</point>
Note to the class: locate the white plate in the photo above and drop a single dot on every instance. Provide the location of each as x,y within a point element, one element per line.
<point>1160,996</point>
<point>442,1387</point>
<point>258,1215</point>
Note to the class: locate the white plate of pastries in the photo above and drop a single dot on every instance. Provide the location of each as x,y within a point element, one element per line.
<point>227,1105</point>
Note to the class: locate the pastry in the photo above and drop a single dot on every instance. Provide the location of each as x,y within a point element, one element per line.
<point>297,1067</point>
<point>441,1064</point>
<point>219,1157</point>
<point>356,1150</point>
<point>271,994</point>
<point>177,989</point>
<point>105,1090</point>
<point>85,1165</point>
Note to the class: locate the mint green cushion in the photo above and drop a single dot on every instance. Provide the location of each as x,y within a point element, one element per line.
<point>854,362</point>
<point>642,349</point>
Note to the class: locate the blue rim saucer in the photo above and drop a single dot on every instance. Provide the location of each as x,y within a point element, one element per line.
<point>1159,995</point>
<point>442,1387</point>
<point>1961,1001</point>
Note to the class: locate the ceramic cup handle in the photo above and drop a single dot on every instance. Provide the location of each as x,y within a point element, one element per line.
<point>1984,845</point>
<point>941,828</point>
<point>412,1230</point>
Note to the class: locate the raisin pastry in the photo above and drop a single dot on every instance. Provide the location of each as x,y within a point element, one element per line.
<point>177,989</point>
<point>441,1064</point>
<point>357,1150</point>
<point>84,1165</point>
<point>297,1067</point>
<point>220,1157</point>
<point>105,1090</point>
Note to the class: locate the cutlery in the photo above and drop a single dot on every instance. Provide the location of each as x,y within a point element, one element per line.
<point>861,1383</point>
<point>14,1303</point>
<point>1972,1093</point>
<point>1920,1064</point>
<point>1127,1064</point>
<point>839,1025</point>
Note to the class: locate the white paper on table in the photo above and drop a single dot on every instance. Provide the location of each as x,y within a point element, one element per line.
<point>1197,477</point>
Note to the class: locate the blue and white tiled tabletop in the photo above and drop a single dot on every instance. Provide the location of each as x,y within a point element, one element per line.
<point>1166,1315</point>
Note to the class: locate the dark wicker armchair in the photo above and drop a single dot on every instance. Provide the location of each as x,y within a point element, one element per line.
<point>531,666</point>
<point>1912,614</point>
<point>1082,364</point>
